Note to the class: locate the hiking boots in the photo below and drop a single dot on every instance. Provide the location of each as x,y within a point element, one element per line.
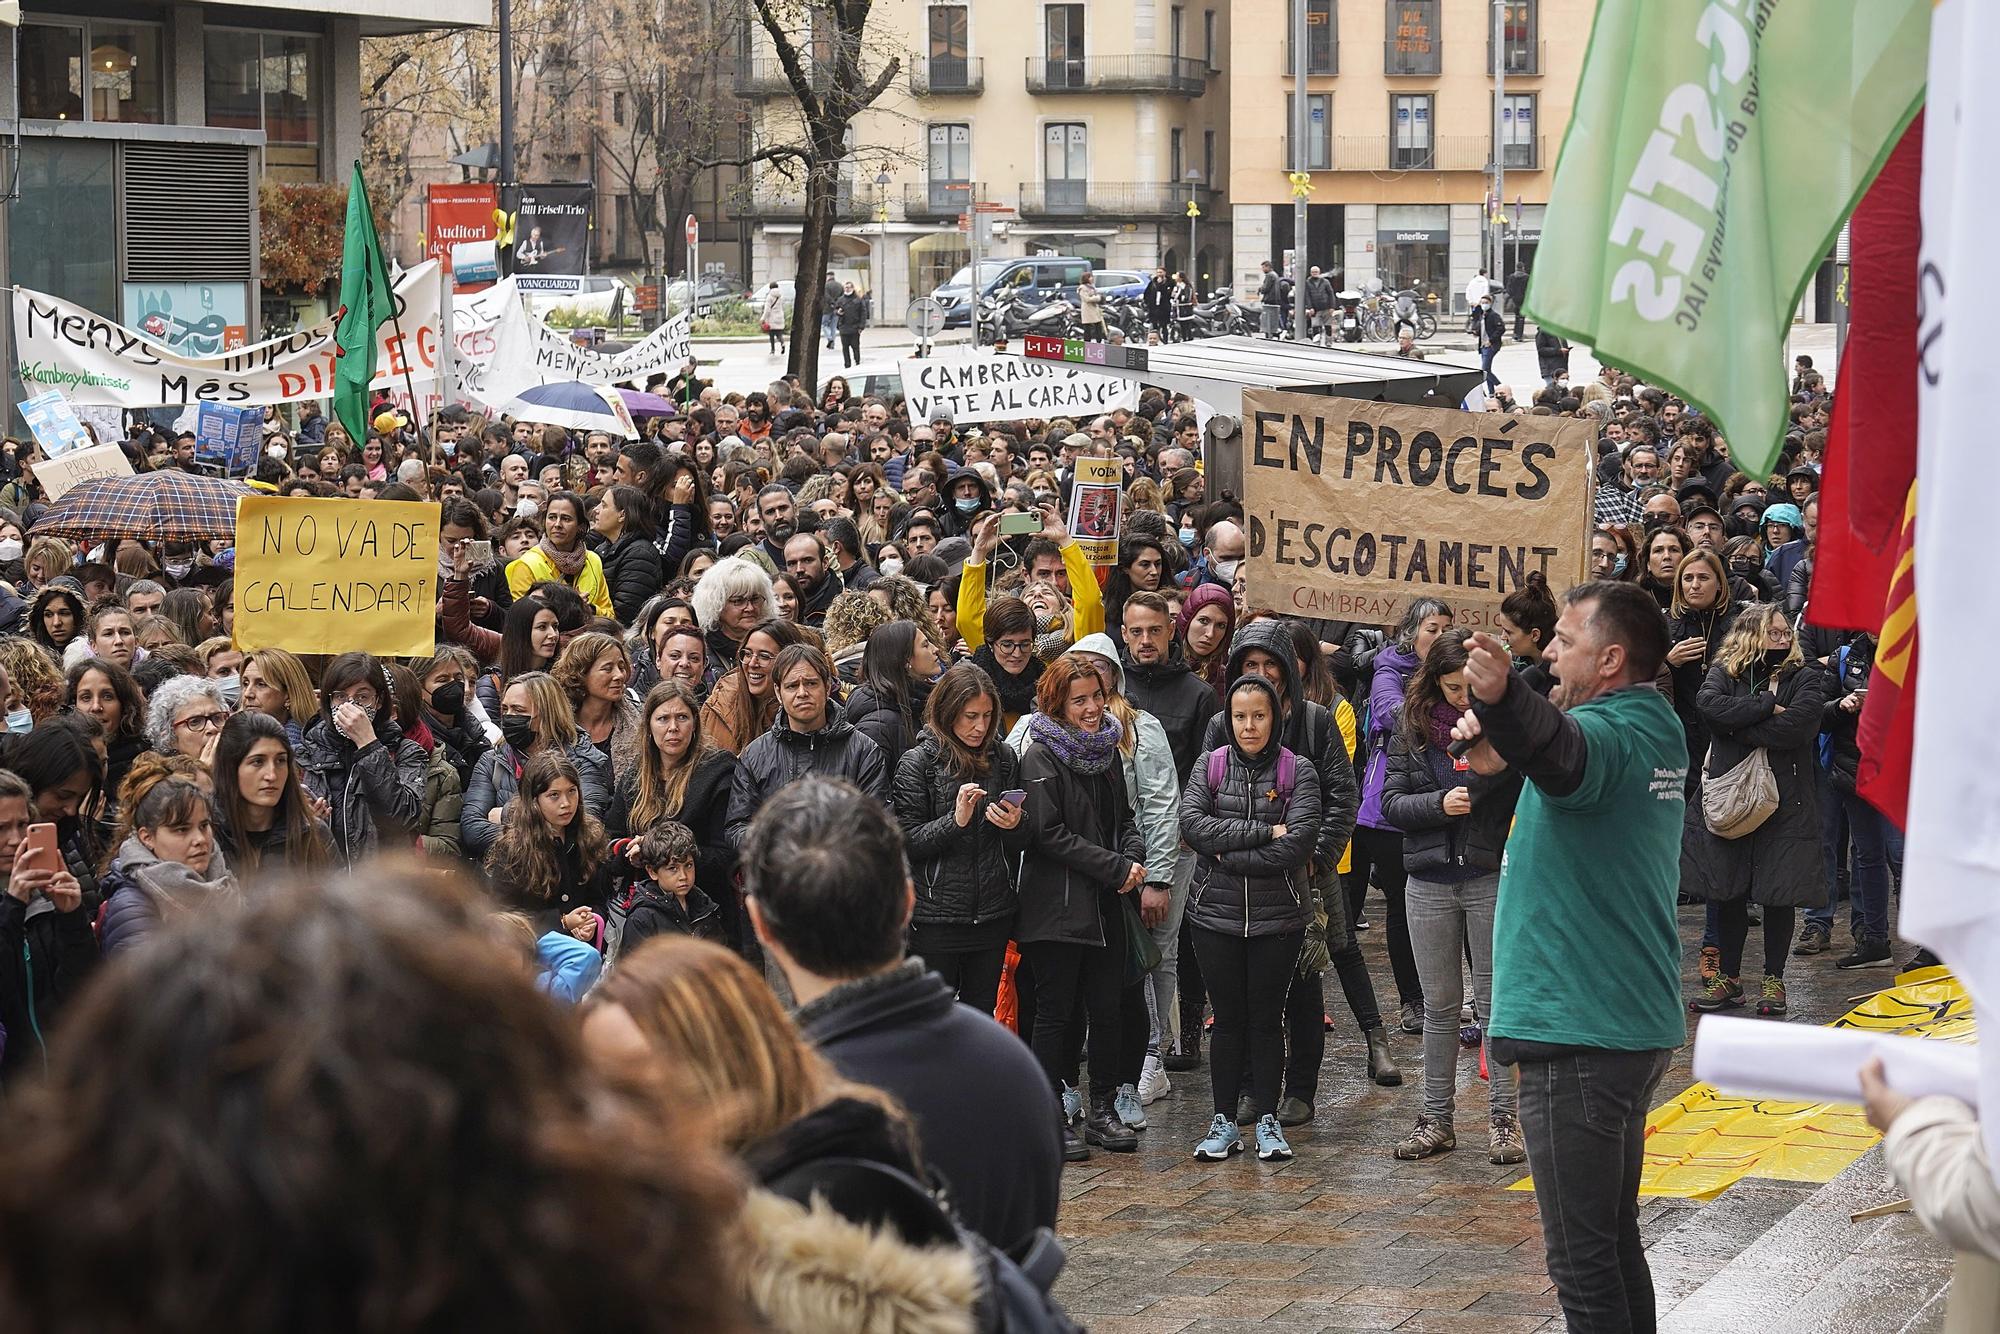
<point>1106,1131</point>
<point>1868,952</point>
<point>1772,1000</point>
<point>1381,1065</point>
<point>1503,1140</point>
<point>1711,963</point>
<point>1431,1137</point>
<point>1073,1148</point>
<point>1721,993</point>
<point>1815,939</point>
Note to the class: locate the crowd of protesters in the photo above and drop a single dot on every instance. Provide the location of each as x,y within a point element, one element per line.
<point>769,705</point>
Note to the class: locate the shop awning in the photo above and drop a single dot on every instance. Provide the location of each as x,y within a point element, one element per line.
<point>1218,370</point>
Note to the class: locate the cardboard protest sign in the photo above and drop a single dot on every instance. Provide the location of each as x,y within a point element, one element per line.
<point>1353,508</point>
<point>54,422</point>
<point>336,576</point>
<point>96,360</point>
<point>1096,500</point>
<point>59,475</point>
<point>979,386</point>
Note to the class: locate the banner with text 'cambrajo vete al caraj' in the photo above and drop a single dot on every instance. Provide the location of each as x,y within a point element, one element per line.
<point>1353,508</point>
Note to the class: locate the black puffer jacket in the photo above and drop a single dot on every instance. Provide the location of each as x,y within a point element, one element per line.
<point>375,794</point>
<point>1182,701</point>
<point>1413,801</point>
<point>882,722</point>
<point>1247,883</point>
<point>704,810</point>
<point>964,876</point>
<point>783,756</point>
<point>1309,732</point>
<point>1778,863</point>
<point>1711,625</point>
<point>632,572</point>
<point>1082,844</point>
<point>1842,729</point>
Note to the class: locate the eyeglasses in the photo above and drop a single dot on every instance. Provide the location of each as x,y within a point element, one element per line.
<point>361,699</point>
<point>204,722</point>
<point>1011,646</point>
<point>745,600</point>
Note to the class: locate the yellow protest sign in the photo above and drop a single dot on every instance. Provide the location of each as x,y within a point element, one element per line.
<point>336,576</point>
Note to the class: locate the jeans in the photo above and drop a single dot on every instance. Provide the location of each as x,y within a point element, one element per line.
<point>1583,1116</point>
<point>973,974</point>
<point>829,325</point>
<point>1867,831</point>
<point>1163,983</point>
<point>775,340</point>
<point>1381,850</point>
<point>1733,921</point>
<point>1247,981</point>
<point>1486,355</point>
<point>1305,1036</point>
<point>1444,919</point>
<point>1090,978</point>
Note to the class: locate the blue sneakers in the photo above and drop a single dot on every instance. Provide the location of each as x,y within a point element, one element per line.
<point>1222,1140</point>
<point>1072,1103</point>
<point>1271,1143</point>
<point>1128,1107</point>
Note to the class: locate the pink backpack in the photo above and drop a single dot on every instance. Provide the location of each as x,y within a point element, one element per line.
<point>1288,771</point>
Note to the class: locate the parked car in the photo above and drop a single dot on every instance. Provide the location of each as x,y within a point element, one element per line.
<point>754,296</point>
<point>1056,274</point>
<point>586,293</point>
<point>713,287</point>
<point>1122,282</point>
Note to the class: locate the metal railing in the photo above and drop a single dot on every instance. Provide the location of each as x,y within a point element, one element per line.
<point>854,201</point>
<point>1525,60</point>
<point>1406,58</point>
<point>765,77</point>
<point>944,76</point>
<point>1123,200</point>
<point>936,199</point>
<point>1181,75</point>
<point>1449,152</point>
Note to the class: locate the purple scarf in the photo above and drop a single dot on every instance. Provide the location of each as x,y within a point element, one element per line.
<point>1443,719</point>
<point>1087,753</point>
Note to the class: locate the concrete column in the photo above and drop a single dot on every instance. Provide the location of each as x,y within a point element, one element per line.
<point>1468,239</point>
<point>341,116</point>
<point>1250,245</point>
<point>1358,243</point>
<point>187,99</point>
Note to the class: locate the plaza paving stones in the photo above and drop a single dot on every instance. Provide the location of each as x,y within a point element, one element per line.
<point>1344,1237</point>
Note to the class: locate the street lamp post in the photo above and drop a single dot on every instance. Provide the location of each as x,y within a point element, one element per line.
<point>1193,178</point>
<point>881,234</point>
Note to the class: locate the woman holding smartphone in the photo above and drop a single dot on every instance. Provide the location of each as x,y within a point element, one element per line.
<point>958,796</point>
<point>44,954</point>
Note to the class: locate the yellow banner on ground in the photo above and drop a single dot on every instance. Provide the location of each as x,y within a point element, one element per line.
<point>335,576</point>
<point>1701,1142</point>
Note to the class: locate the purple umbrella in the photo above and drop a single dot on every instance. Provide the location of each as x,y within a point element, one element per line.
<point>646,405</point>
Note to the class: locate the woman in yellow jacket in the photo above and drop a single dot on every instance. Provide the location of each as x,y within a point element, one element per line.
<point>1059,622</point>
<point>561,556</point>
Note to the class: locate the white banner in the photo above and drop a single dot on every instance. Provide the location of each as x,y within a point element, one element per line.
<point>522,351</point>
<point>95,360</point>
<point>980,387</point>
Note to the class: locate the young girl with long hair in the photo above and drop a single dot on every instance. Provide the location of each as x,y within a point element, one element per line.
<point>551,860</point>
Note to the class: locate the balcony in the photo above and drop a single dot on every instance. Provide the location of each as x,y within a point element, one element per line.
<point>947,76</point>
<point>1525,60</point>
<point>1449,152</point>
<point>1412,57</point>
<point>765,77</point>
<point>1181,76</point>
<point>853,201</point>
<point>1126,201</point>
<point>936,199</point>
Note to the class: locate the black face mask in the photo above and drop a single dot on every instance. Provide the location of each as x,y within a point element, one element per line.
<point>448,700</point>
<point>1774,658</point>
<point>519,729</point>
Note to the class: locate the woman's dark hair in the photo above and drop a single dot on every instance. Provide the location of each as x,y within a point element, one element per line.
<point>955,691</point>
<point>637,507</point>
<point>36,630</point>
<point>663,488</point>
<point>1447,655</point>
<point>1006,615</point>
<point>577,507</point>
<point>464,514</point>
<point>407,694</point>
<point>517,653</point>
<point>131,704</point>
<point>49,756</point>
<point>305,843</point>
<point>572,612</point>
<point>786,578</point>
<point>885,669</point>
<point>186,608</point>
<point>171,801</point>
<point>358,669</point>
<point>523,1189</point>
<point>1118,584</point>
<point>1316,681</point>
<point>526,860</point>
<point>1533,607</point>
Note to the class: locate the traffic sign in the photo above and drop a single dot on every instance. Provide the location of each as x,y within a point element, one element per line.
<point>693,230</point>
<point>925,318</point>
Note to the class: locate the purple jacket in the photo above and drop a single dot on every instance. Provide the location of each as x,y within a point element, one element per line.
<point>1394,666</point>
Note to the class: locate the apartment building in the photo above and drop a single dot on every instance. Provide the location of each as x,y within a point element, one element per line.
<point>1400,134</point>
<point>1083,127</point>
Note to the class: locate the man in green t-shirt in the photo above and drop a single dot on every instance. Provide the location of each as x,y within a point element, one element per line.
<point>1586,952</point>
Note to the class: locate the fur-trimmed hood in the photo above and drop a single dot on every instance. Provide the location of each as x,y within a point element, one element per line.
<point>811,1271</point>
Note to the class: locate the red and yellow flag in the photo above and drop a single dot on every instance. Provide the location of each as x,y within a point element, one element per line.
<point>1887,731</point>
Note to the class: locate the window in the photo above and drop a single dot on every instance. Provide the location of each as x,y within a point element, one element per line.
<point>1176,154</point>
<point>617,108</point>
<point>1174,42</point>
<point>1413,43</point>
<point>1410,132</point>
<point>950,165</point>
<point>1065,45</point>
<point>1322,38</point>
<point>96,70</point>
<point>1208,156</point>
<point>1066,163</point>
<point>1208,36</point>
<point>1319,129</point>
<point>1519,51</point>
<point>1517,131</point>
<point>268,81</point>
<point>949,47</point>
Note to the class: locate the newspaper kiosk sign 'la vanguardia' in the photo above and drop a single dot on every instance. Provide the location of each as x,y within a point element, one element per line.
<point>1353,508</point>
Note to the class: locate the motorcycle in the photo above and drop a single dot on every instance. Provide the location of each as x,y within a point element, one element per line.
<point>1349,325</point>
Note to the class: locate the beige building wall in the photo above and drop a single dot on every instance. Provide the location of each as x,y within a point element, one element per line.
<point>1119,97</point>
<point>1381,214</point>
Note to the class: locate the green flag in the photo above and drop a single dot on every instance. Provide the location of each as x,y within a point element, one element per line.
<point>1712,155</point>
<point>367,300</point>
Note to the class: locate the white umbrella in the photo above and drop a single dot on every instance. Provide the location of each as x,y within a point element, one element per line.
<point>571,403</point>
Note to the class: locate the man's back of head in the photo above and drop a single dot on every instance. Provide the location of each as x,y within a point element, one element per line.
<point>824,863</point>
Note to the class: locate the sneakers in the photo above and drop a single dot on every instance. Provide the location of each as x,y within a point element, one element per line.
<point>1813,940</point>
<point>1503,1140</point>
<point>1711,963</point>
<point>1721,993</point>
<point>1868,952</point>
<point>1413,1017</point>
<point>1294,1111</point>
<point>1381,1065</point>
<point>1072,1102</point>
<point>1272,1146</point>
<point>1222,1140</point>
<point>1431,1137</point>
<point>1106,1131</point>
<point>1153,1082</point>
<point>1923,958</point>
<point>1126,1104</point>
<point>1772,1000</point>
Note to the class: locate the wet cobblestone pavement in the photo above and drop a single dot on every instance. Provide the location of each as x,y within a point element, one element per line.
<point>1345,1237</point>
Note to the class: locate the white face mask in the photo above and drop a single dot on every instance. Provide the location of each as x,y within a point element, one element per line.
<point>10,548</point>
<point>527,509</point>
<point>275,452</point>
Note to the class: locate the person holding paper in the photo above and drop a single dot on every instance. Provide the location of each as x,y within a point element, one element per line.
<point>1586,949</point>
<point>1934,1149</point>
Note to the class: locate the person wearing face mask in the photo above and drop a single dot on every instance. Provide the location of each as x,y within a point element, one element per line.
<point>1490,331</point>
<point>1747,574</point>
<point>357,760</point>
<point>444,788</point>
<point>445,705</point>
<point>968,496</point>
<point>169,867</point>
<point>534,717</point>
<point>1760,694</point>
